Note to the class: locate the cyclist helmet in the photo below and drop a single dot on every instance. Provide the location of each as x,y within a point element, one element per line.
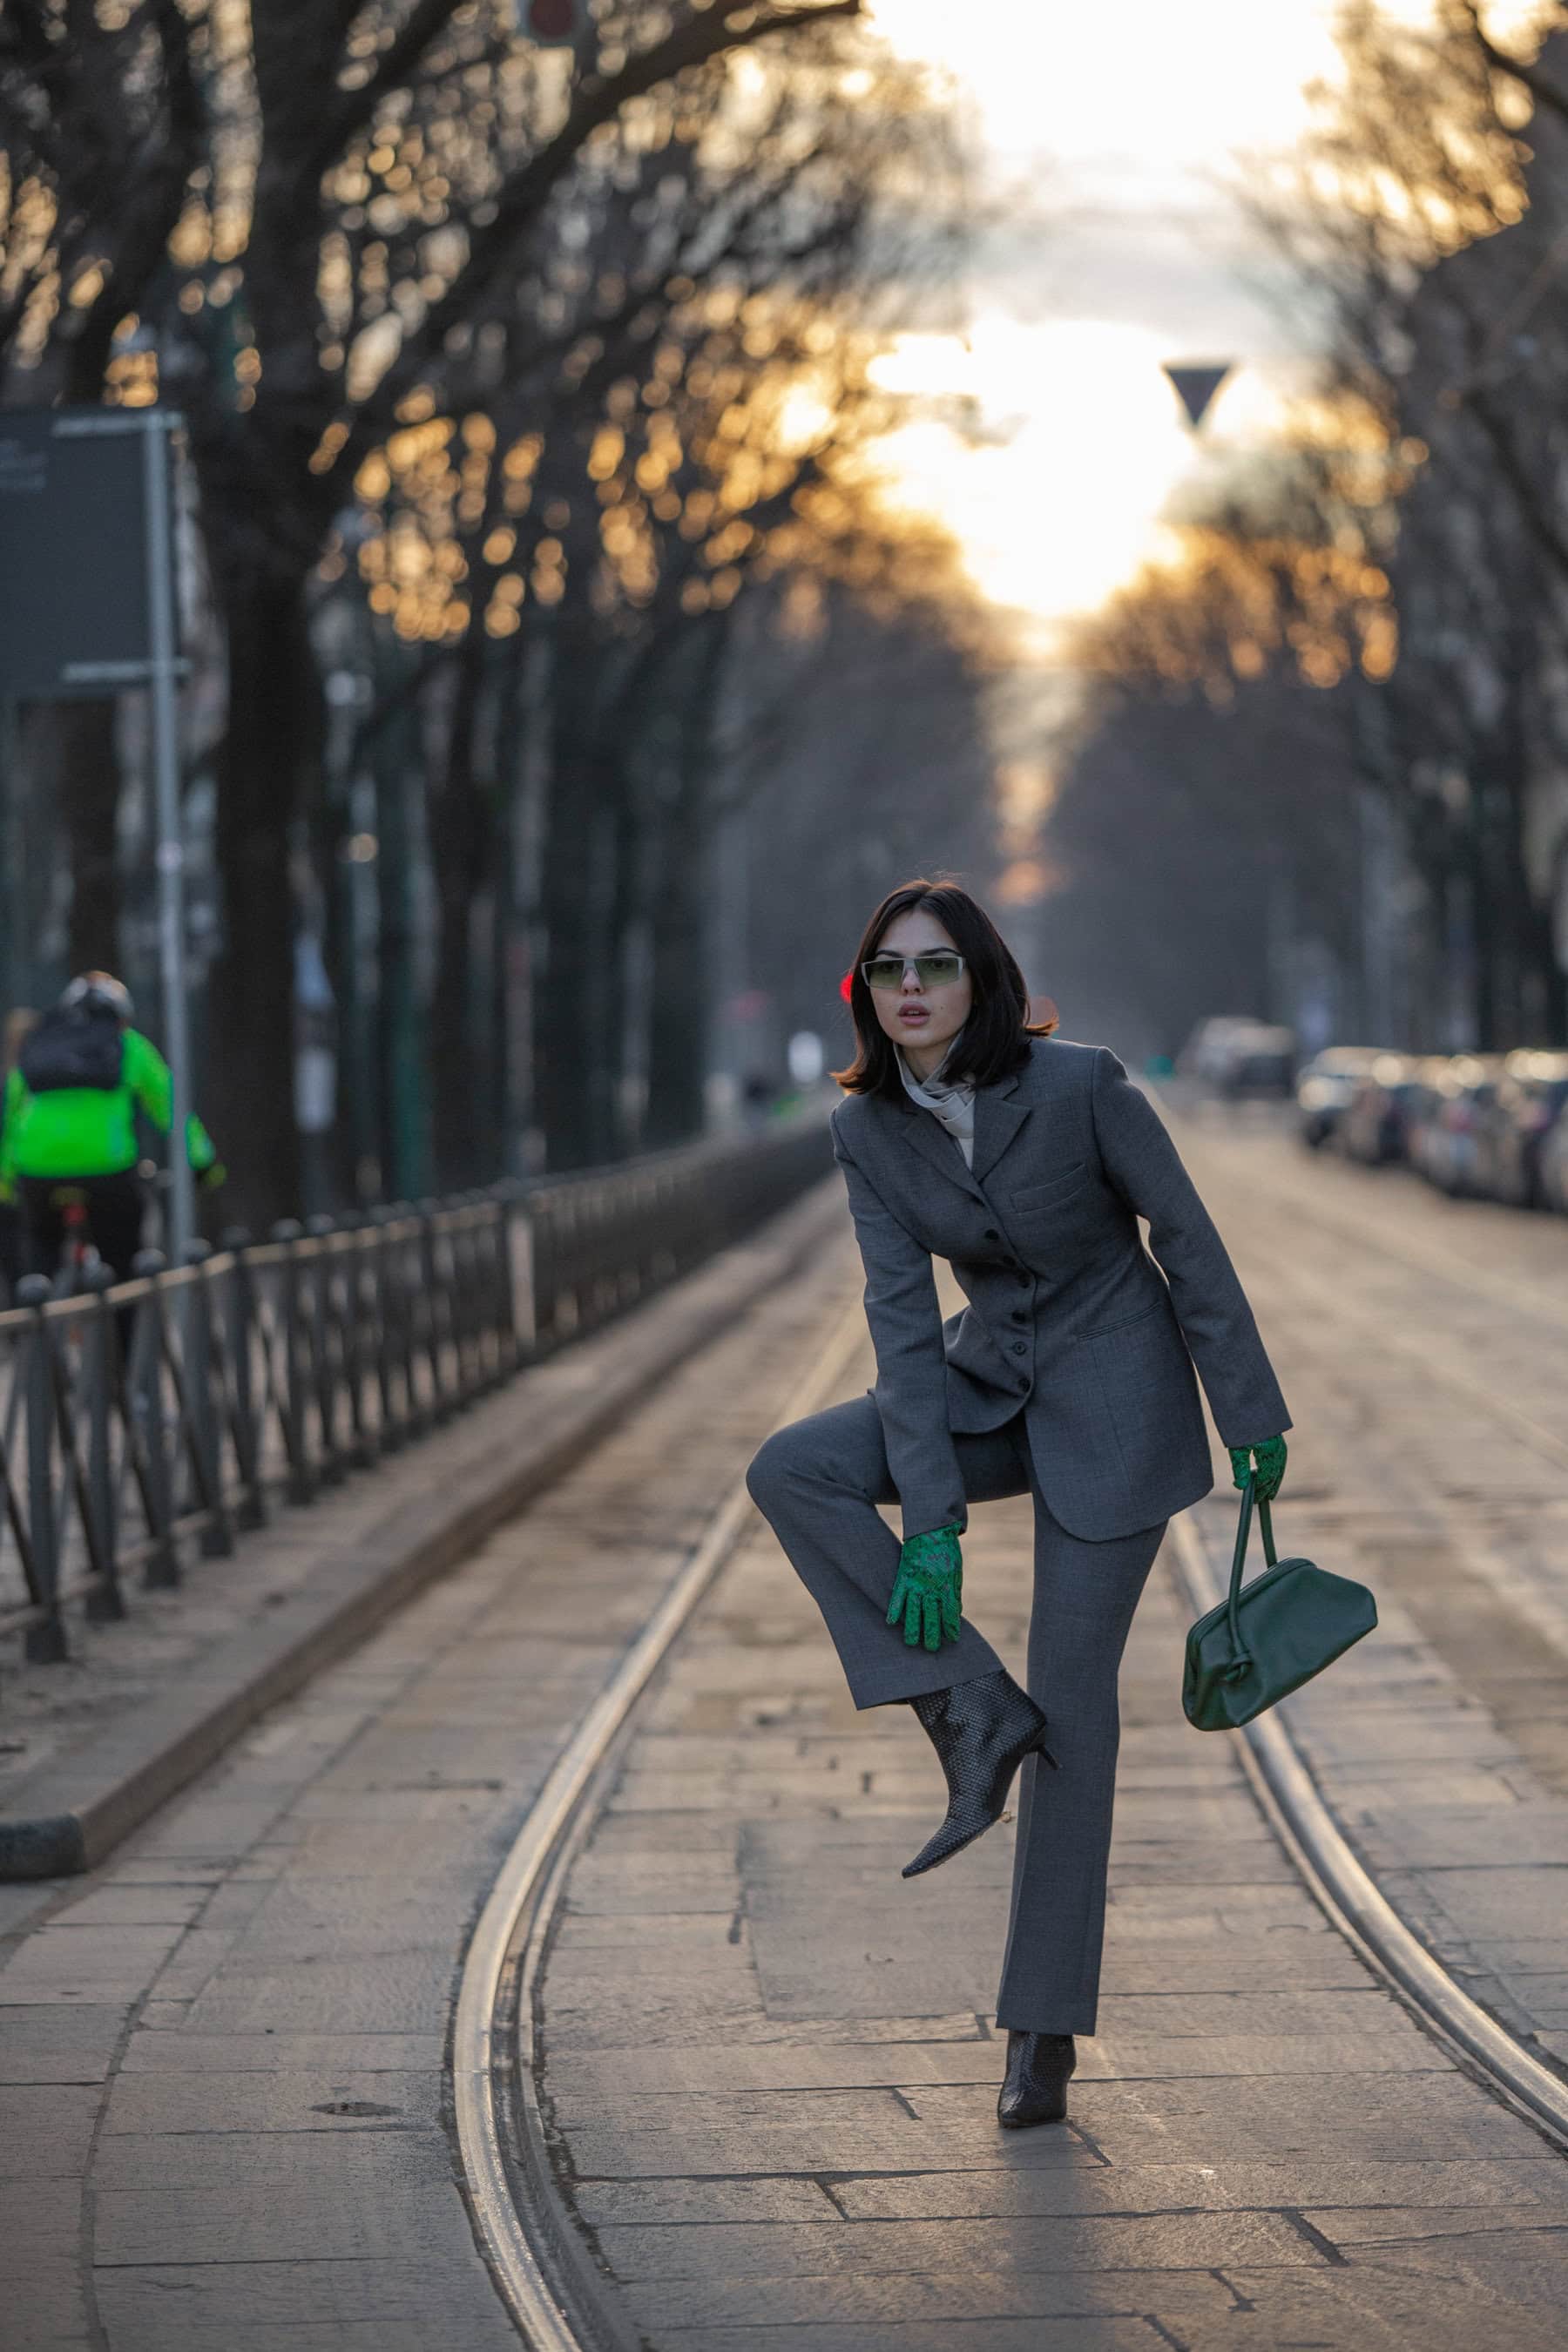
<point>98,992</point>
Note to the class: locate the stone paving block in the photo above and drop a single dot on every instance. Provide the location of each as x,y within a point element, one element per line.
<point>330,2101</point>
<point>1359,2309</point>
<point>677,2075</point>
<point>1519,2269</point>
<point>308,1921</point>
<point>930,2299</point>
<point>1281,2010</point>
<point>1450,1837</point>
<point>20,1906</point>
<point>1533,1901</point>
<point>1499,2191</point>
<point>224,2305</point>
<point>1129,2332</point>
<point>59,2043</point>
<point>45,2308</point>
<point>647,2203</point>
<point>65,1962</point>
<point>1091,2241</point>
<point>45,2130</point>
<point>375,2159</point>
<point>1450,2225</point>
<point>280,2053</point>
<point>345,2199</point>
<point>389,1992</point>
<point>135,1905</point>
<point>603,2149</point>
<point>1148,1965</point>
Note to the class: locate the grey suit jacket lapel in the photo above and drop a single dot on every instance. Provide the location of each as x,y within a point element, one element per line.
<point>1000,1112</point>
<point>933,1143</point>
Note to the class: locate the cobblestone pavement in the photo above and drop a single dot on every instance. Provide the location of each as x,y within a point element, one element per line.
<point>222,2056</point>
<point>769,2063</point>
<point>1423,1345</point>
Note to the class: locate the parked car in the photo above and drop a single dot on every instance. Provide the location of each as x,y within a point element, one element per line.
<point>1552,1167</point>
<point>1324,1088</point>
<point>1449,1151</point>
<point>1373,1126</point>
<point>1239,1056</point>
<point>1525,1107</point>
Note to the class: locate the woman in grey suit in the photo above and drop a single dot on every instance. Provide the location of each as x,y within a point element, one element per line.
<point>970,1133</point>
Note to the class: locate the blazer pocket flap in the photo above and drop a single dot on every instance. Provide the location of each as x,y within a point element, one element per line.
<point>1040,1196</point>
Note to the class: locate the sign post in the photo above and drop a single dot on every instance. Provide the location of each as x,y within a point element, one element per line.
<point>88,607</point>
<point>163,651</point>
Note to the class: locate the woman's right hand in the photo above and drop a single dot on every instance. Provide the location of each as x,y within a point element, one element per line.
<point>928,1590</point>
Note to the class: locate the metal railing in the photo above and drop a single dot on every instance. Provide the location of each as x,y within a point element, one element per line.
<point>183,1406</point>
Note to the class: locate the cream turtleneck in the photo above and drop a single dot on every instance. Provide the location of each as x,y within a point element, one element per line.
<point>950,1102</point>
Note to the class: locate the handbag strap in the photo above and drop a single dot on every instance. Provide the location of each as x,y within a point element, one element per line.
<point>1240,1661</point>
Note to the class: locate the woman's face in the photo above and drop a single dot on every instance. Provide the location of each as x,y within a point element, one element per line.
<point>924,1021</point>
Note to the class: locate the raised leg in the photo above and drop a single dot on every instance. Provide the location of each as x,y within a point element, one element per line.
<point>818,1482</point>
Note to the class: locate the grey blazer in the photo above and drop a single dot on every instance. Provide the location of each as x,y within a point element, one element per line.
<point>1070,1317</point>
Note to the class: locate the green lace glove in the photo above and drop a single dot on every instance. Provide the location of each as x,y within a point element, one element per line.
<point>928,1590</point>
<point>1266,1463</point>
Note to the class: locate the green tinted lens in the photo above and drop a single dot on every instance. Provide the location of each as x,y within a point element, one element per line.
<point>937,971</point>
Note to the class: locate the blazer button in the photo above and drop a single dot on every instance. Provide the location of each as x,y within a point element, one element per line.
<point>991,1235</point>
<point>1019,1348</point>
<point>1020,1314</point>
<point>1025,1281</point>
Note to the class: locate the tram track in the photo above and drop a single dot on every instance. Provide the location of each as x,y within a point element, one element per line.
<point>542,2266</point>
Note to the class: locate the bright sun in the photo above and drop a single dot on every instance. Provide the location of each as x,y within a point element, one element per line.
<point>1119,123</point>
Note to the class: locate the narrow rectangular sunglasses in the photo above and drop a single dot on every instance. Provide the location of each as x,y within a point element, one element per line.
<point>937,969</point>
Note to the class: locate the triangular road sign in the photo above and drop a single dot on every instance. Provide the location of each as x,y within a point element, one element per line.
<point>1197,385</point>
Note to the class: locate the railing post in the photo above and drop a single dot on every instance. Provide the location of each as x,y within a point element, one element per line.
<point>97,1385</point>
<point>358,1254</point>
<point>409,1268</point>
<point>291,1404</point>
<point>144,1424</point>
<point>440,1398</point>
<point>320,1232</point>
<point>385,1310</point>
<point>45,1643</point>
<point>239,1324</point>
<point>203,1421</point>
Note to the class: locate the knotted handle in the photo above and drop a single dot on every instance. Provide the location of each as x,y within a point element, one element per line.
<point>1240,1663</point>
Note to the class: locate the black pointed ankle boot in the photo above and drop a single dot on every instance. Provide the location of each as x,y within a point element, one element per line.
<point>1035,2089</point>
<point>981,1731</point>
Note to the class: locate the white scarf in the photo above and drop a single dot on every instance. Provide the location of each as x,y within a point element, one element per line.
<point>950,1103</point>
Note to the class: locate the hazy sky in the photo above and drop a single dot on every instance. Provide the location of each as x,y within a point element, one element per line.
<point>1110,128</point>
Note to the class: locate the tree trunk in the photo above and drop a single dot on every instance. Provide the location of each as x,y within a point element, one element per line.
<point>461,849</point>
<point>272,743</point>
<point>677,1035</point>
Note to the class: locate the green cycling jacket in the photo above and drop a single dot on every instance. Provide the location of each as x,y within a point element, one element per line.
<point>92,1131</point>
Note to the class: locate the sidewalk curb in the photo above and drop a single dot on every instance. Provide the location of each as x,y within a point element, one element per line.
<point>78,1809</point>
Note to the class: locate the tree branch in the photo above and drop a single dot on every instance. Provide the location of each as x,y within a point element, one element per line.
<point>524,197</point>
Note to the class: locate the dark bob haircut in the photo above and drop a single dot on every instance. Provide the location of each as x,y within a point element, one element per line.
<point>995,1038</point>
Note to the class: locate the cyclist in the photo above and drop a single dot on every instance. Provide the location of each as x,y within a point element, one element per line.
<point>69,1128</point>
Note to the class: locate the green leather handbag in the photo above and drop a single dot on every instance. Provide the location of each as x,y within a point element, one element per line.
<point>1266,1639</point>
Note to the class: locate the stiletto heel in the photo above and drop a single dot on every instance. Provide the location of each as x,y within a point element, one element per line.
<point>981,1731</point>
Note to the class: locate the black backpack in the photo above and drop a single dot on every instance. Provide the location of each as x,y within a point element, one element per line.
<point>80,1047</point>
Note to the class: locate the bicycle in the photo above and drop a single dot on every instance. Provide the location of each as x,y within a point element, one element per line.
<point>79,1251</point>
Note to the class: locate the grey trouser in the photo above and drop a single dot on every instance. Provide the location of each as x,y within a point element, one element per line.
<point>817,1484</point>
